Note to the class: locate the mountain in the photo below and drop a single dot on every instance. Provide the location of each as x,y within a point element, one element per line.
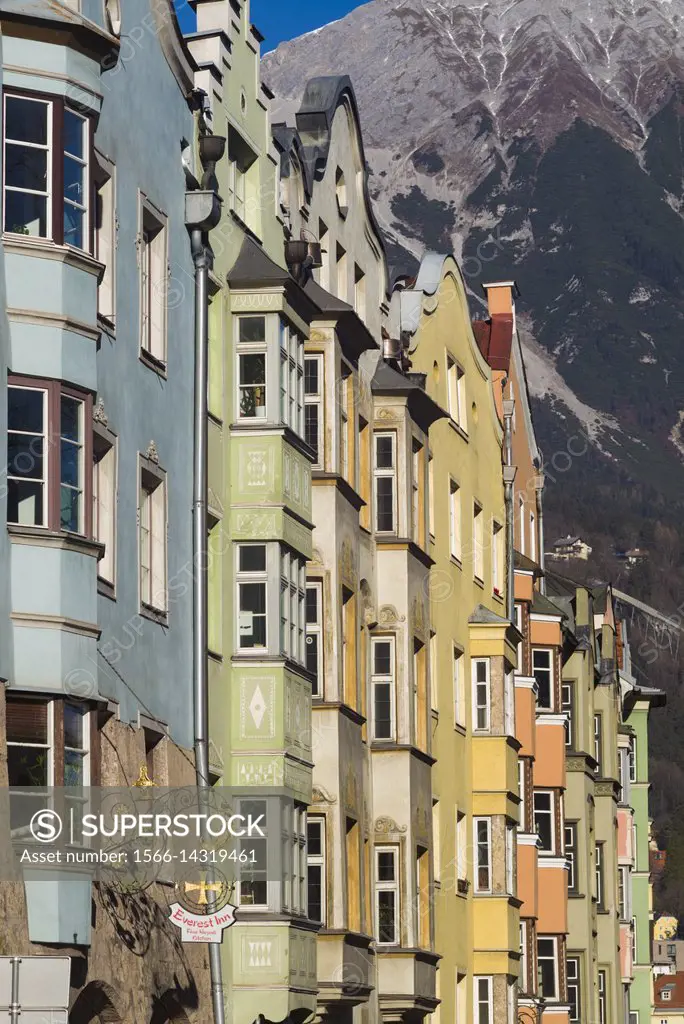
<point>543,142</point>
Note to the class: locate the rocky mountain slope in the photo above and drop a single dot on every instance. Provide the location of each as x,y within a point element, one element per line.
<point>542,141</point>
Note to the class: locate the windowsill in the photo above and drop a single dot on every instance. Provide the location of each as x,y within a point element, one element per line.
<point>576,895</point>
<point>214,418</point>
<point>152,363</point>
<point>459,429</point>
<point>106,589</point>
<point>45,248</point>
<point>460,729</point>
<point>498,596</point>
<point>107,325</point>
<point>455,560</point>
<point>43,537</point>
<point>478,581</point>
<point>215,656</point>
<point>154,614</point>
<point>245,227</point>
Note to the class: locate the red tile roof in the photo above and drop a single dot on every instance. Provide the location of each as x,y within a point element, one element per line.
<point>674,984</point>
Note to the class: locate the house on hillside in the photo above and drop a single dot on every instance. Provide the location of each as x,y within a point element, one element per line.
<point>570,549</point>
<point>668,998</point>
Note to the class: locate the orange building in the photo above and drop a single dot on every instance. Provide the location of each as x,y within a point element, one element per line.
<point>541,724</point>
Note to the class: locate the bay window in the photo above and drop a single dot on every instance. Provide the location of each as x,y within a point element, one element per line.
<point>384,473</point>
<point>271,585</point>
<point>251,340</point>
<point>49,440</point>
<point>251,596</point>
<point>252,888</point>
<point>46,179</point>
<point>269,386</point>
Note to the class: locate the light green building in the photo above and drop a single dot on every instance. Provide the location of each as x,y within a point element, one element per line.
<point>637,704</point>
<point>259,520</point>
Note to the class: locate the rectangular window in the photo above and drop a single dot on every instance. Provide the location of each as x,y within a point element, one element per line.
<point>241,158</point>
<point>350,680</point>
<point>523,975</point>
<point>359,292</point>
<point>431,495</point>
<point>72,475</point>
<point>544,824</point>
<point>365,473</point>
<point>568,708</point>
<point>420,715</point>
<point>423,899</point>
<point>417,494</point>
<point>542,670</point>
<point>292,605</point>
<point>548,967</point>
<point>252,889</point>
<point>598,869</point>
<point>632,759</point>
<point>478,542</point>
<point>383,687</point>
<point>28,456</point>
<point>387,895</point>
<point>461,846</point>
<point>251,349</point>
<point>455,520</point>
<point>497,558</point>
<point>251,597</point>
<point>76,727</point>
<point>533,537</point>
<point>152,256</point>
<point>313,406</point>
<point>481,694</point>
<point>291,378</point>
<point>105,235</point>
<point>324,270</point>
<point>152,529</point>
<point>522,793</point>
<point>456,393</point>
<point>45,144</point>
<point>519,626</point>
<point>623,892</point>
<point>603,1019</point>
<point>215,583</point>
<point>482,838</point>
<point>315,862</point>
<point>344,398</point>
<point>571,854</point>
<point>521,523</point>
<point>483,1005</point>
<point>598,743</point>
<point>510,859</point>
<point>384,473</point>
<point>314,636</point>
<point>104,506</point>
<point>236,186</point>
<point>574,988</point>
<point>459,689</point>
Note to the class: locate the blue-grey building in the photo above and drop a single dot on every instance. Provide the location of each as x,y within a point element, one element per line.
<point>96,436</point>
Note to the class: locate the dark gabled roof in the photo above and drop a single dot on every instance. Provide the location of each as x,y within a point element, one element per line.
<point>253,268</point>
<point>600,596</point>
<point>542,606</point>
<point>353,334</point>
<point>526,564</point>
<point>484,616</point>
<point>565,540</point>
<point>558,585</point>
<point>386,380</point>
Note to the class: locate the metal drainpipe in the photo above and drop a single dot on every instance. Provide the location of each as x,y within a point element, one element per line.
<point>202,261</point>
<point>509,477</point>
<point>540,524</point>
<point>15,1009</point>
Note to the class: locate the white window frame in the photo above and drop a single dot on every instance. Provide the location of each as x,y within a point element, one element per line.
<point>568,708</point>
<point>551,811</point>
<point>380,473</point>
<point>522,793</point>
<point>105,491</point>
<point>44,453</point>
<point>602,996</point>
<point>497,558</point>
<point>313,400</point>
<point>85,749</point>
<point>455,520</point>
<point>518,614</point>
<point>315,629</point>
<point>574,982</point>
<point>478,542</point>
<point>510,842</point>
<point>153,280</point>
<point>554,959</point>
<point>387,886</point>
<point>153,532</point>
<point>570,843</point>
<point>416,449</point>
<point>251,348</point>
<point>245,576</point>
<point>633,763</point>
<point>461,838</point>
<point>523,972</point>
<point>247,843</point>
<point>598,743</point>
<point>292,604</point>
<point>458,686</point>
<point>482,695</point>
<point>46,147</point>
<point>483,997</point>
<point>484,845</point>
<point>550,668</point>
<point>378,679</point>
<point>599,877</point>
<point>318,861</point>
<point>105,236</point>
<point>521,522</point>
<point>49,746</point>
<point>291,373</point>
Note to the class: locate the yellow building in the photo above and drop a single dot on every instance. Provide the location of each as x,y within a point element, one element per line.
<point>475,801</point>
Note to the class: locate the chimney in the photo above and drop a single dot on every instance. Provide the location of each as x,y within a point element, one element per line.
<point>496,343</point>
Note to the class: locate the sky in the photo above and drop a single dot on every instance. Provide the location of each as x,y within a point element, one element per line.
<point>278,20</point>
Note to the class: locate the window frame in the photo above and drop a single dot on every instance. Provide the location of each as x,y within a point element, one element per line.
<point>601,981</point>
<point>105,447</point>
<point>315,400</point>
<point>290,376</point>
<point>632,759</point>
<point>551,669</point>
<point>104,181</point>
<point>571,851</point>
<point>380,679</point>
<point>152,479</point>
<point>315,628</point>
<point>55,145</point>
<point>383,473</point>
<point>553,958</point>
<point>598,743</point>
<point>599,876</point>
<point>551,812</point>
<point>455,520</point>
<point>317,861</point>
<point>384,885</point>
<point>574,983</point>
<point>478,542</point>
<point>477,704</point>
<point>153,250</point>
<point>486,846</point>
<point>568,708</point>
<point>51,479</point>
<point>248,577</point>
<point>457,663</point>
<point>479,1002</point>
